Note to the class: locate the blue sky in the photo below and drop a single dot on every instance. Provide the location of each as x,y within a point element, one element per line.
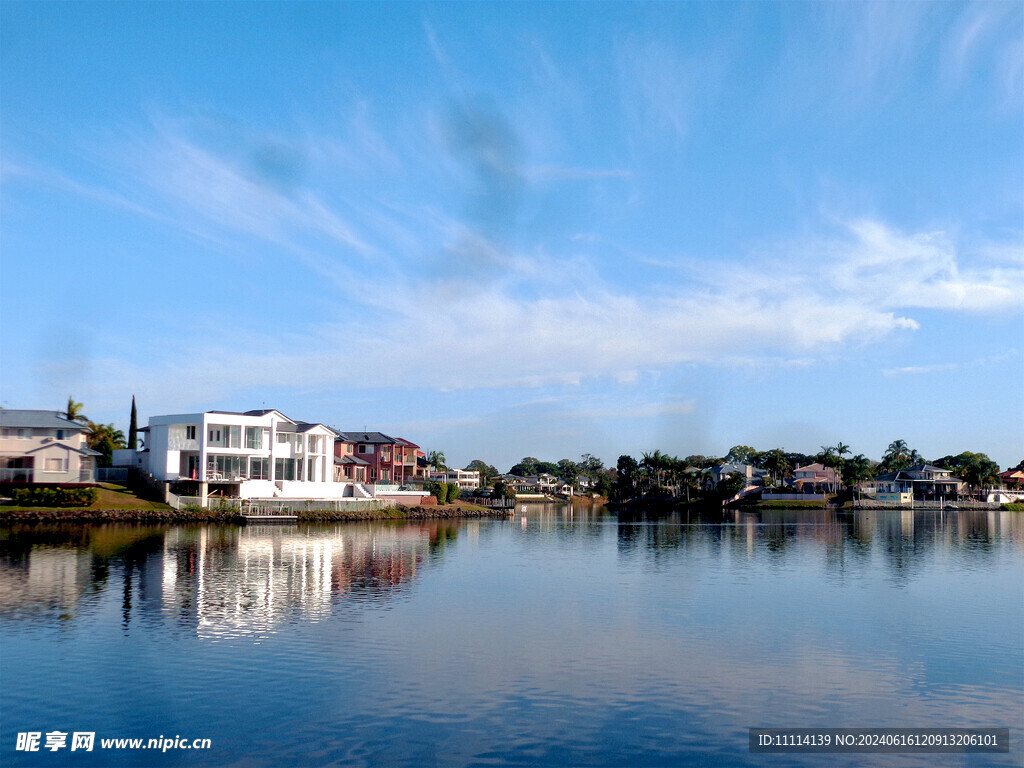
<point>503,230</point>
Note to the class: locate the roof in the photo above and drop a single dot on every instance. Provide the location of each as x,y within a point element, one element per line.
<point>38,419</point>
<point>351,460</point>
<point>301,426</point>
<point>815,467</point>
<point>927,468</point>
<point>377,438</point>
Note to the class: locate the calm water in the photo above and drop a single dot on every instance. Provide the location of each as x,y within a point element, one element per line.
<point>559,639</point>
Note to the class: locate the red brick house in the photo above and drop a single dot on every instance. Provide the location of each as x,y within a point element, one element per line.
<point>373,457</point>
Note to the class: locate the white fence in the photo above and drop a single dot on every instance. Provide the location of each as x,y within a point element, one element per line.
<point>276,506</point>
<point>792,497</point>
<point>294,506</point>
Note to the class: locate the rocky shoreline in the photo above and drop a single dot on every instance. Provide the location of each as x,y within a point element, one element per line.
<point>227,516</point>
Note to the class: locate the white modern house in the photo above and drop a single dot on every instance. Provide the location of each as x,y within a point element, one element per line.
<point>255,454</point>
<point>465,479</point>
<point>44,447</point>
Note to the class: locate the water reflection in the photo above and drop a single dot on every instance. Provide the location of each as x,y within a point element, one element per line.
<point>220,581</point>
<point>226,581</point>
<point>904,540</point>
<point>559,636</point>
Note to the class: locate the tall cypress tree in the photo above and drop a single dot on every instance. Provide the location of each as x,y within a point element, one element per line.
<point>133,428</point>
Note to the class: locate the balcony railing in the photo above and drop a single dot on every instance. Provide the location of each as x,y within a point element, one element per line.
<point>17,475</point>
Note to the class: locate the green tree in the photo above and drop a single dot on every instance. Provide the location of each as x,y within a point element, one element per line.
<point>502,490</point>
<point>625,486</point>
<point>590,467</point>
<point>899,456</point>
<point>547,467</point>
<point>74,411</point>
<point>104,438</point>
<point>568,471</point>
<point>526,466</point>
<point>133,428</point>
<point>857,470</point>
<point>740,454</point>
<point>975,469</point>
<point>730,485</point>
<point>602,484</point>
<point>436,459</point>
<point>774,461</point>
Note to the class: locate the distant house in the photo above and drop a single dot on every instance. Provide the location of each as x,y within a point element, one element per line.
<point>1012,478</point>
<point>922,481</point>
<point>534,484</point>
<point>44,447</point>
<point>815,478</point>
<point>465,479</point>
<point>750,473</point>
<point>253,454</point>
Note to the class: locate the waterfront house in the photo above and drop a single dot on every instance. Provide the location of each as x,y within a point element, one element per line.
<point>921,481</point>
<point>44,447</point>
<point>1012,478</point>
<point>751,474</point>
<point>465,479</point>
<point>815,478</point>
<point>253,454</point>
<point>388,460</point>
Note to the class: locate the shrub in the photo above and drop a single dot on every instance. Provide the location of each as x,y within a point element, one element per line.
<point>451,493</point>
<point>54,497</point>
<point>1013,507</point>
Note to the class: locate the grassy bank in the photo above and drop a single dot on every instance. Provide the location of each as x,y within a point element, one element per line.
<point>161,513</point>
<point>788,505</point>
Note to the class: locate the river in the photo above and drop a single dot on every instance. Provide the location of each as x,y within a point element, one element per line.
<point>559,637</point>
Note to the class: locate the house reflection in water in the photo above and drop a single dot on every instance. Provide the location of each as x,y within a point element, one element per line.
<point>233,582</point>
<point>214,581</point>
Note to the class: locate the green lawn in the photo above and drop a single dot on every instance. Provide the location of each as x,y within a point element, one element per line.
<point>110,496</point>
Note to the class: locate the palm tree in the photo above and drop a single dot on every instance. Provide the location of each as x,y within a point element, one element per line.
<point>74,411</point>
<point>898,456</point>
<point>436,459</point>
<point>775,462</point>
<point>105,438</point>
<point>857,470</point>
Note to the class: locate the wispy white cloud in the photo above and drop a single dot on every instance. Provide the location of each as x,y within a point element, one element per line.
<point>920,369</point>
<point>913,370</point>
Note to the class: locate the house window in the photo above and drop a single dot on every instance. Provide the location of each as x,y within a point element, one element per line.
<point>60,434</point>
<point>284,469</point>
<point>56,465</point>
<point>214,438</point>
<point>365,449</point>
<point>227,467</point>
<point>314,444</point>
<point>234,435</point>
<point>282,437</point>
<point>17,433</point>
<point>311,472</point>
<point>254,437</point>
<point>259,469</point>
<point>190,431</point>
